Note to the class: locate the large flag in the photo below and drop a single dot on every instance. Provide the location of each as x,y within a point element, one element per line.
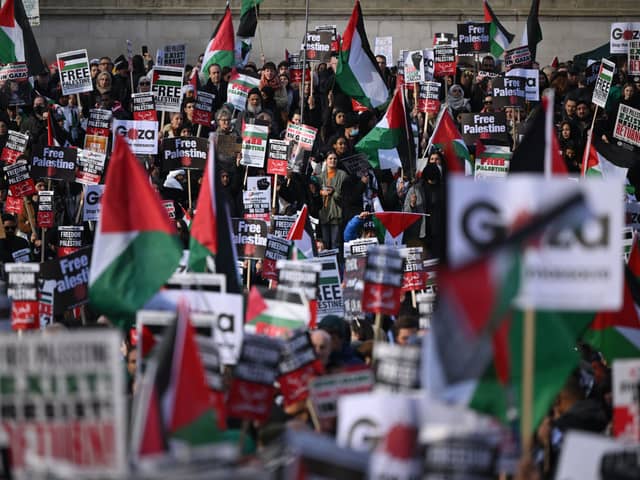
<point>499,36</point>
<point>248,18</point>
<point>607,160</point>
<point>389,145</point>
<point>447,138</point>
<point>221,47</point>
<point>532,34</point>
<point>136,248</point>
<point>175,403</point>
<point>357,73</point>
<point>302,235</point>
<point>17,43</point>
<point>539,151</point>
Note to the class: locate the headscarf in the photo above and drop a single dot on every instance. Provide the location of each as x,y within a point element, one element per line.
<point>171,181</point>
<point>456,103</point>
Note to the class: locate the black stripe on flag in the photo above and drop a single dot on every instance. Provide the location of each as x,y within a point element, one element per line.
<point>73,57</point>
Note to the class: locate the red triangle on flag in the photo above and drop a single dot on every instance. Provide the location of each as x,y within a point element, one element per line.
<point>7,16</point>
<point>255,305</point>
<point>397,222</point>
<point>152,441</point>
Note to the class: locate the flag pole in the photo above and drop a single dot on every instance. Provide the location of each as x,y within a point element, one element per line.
<point>275,193</point>
<point>528,363</point>
<point>585,158</point>
<point>304,59</point>
<point>255,5</point>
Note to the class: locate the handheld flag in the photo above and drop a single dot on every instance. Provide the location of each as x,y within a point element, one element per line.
<point>221,47</point>
<point>499,36</point>
<point>532,34</point>
<point>447,138</point>
<point>17,43</point>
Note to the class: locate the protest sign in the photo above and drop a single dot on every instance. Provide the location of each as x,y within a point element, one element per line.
<point>332,29</point>
<point>298,366</point>
<point>532,79</point>
<point>442,38</point>
<point>428,64</point>
<point>58,163</point>
<point>166,85</point>
<point>298,276</point>
<point>184,153</point>
<point>17,72</point>
<point>413,66</point>
<point>384,46</point>
<point>471,456</point>
<point>46,214</point>
<point>354,265</point>
<point>444,61</point>
<point>426,303</point>
<point>621,34</point>
<point>474,37</point>
<point>144,107</point>
<point>71,277</point>
<point>91,167</point>
<point>414,277</point>
<point>519,57</point>
<point>633,58</point>
<point>589,278</point>
<point>251,392</point>
<point>383,280</point>
<point>278,157</point>
<point>75,76</point>
<point>281,224</point>
<point>396,367</point>
<point>15,146</point>
<point>238,89</point>
<point>484,126</point>
<point>303,135</point>
<point>203,109</point>
<point>326,390</point>
<point>254,145</point>
<point>583,455</point>
<point>170,208</point>
<point>492,163</point>
<point>356,164</point>
<point>627,127</point>
<point>508,92</point>
<point>626,399</point>
<point>277,249</point>
<point>330,299</point>
<point>13,205</point>
<point>22,289</point>
<point>92,198</point>
<point>174,55</point>
<point>257,204</point>
<point>69,239</point>
<point>400,70</point>
<point>603,83</point>
<point>99,122</point>
<point>318,46</point>
<point>19,180</point>
<point>249,237</point>
<point>295,69</point>
<point>64,411</point>
<point>141,136</point>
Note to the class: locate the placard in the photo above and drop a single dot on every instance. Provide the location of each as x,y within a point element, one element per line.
<point>621,34</point>
<point>15,146</point>
<point>13,205</point>
<point>277,249</point>
<point>396,367</point>
<point>326,390</point>
<point>442,38</point>
<point>281,224</point>
<point>627,127</point>
<point>603,83</point>
<point>330,299</point>
<point>298,365</point>
<point>484,126</point>
<point>383,280</point>
<point>318,46</point>
<point>429,97</point>
<point>249,237</point>
<point>278,157</point>
<point>444,61</point>
<point>238,90</point>
<point>184,153</point>
<point>633,58</point>
<point>58,163</point>
<point>17,72</point>
<point>357,164</point>
<point>474,37</point>
<point>254,145</point>
<point>22,289</point>
<point>532,80</point>
<point>413,66</point>
<point>141,136</point>
<point>174,56</point>
<point>492,163</point>
<point>144,107</point>
<point>203,109</point>
<point>19,180</point>
<point>626,399</point>
<point>508,92</point>
<point>166,85</point>
<point>71,277</point>
<point>46,215</point>
<point>298,276</point>
<point>428,64</point>
<point>69,239</point>
<point>415,276</point>
<point>519,57</point>
<point>257,204</point>
<point>91,167</point>
<point>384,46</point>
<point>99,122</point>
<point>92,203</point>
<point>75,76</point>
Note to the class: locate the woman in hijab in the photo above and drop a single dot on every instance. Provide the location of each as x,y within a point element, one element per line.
<point>456,103</point>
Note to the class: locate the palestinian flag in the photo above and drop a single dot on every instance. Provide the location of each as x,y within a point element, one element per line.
<point>221,47</point>
<point>248,18</point>
<point>136,248</point>
<point>357,73</point>
<point>167,76</point>
<point>389,145</point>
<point>274,312</point>
<point>175,405</point>
<point>607,160</point>
<point>17,43</point>
<point>447,138</point>
<point>499,36</point>
<point>395,224</point>
<point>72,60</point>
<point>302,235</point>
<point>532,34</point>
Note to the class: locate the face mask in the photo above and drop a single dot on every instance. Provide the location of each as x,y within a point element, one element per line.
<point>354,132</point>
<point>39,108</point>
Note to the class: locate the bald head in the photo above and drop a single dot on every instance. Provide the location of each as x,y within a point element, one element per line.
<point>321,341</point>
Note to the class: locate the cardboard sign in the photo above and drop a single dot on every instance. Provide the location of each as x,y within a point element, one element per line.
<point>46,215</point>
<point>627,127</point>
<point>357,164</point>
<point>58,163</point>
<point>621,34</point>
<point>474,37</point>
<point>99,122</point>
<point>633,58</point>
<point>384,46</point>
<point>69,239</point>
<point>92,198</point>
<point>203,109</point>
<point>19,180</point>
<point>166,85</point>
<point>297,276</point>
<point>257,204</point>
<point>442,38</point>
<point>22,289</point>
<point>238,90</point>
<point>484,126</point>
<point>91,167</point>
<point>13,205</point>
<point>572,268</point>
<point>532,80</point>
<point>174,56</point>
<point>278,157</point>
<point>603,83</point>
<point>71,277</point>
<point>295,69</point>
<point>303,135</point>
<point>17,72</point>
<point>277,249</point>
<point>281,224</point>
<point>326,390</point>
<point>415,276</point>
<point>396,367</point>
<point>626,399</point>
<point>330,299</point>
<point>318,46</point>
<point>492,163</point>
<point>254,145</point>
<point>444,61</point>
<point>428,64</point>
<point>184,153</point>
<point>144,107</point>
<point>67,402</point>
<point>141,136</point>
<point>15,146</point>
<point>383,280</point>
<point>75,76</point>
<point>519,57</point>
<point>508,92</point>
<point>297,367</point>
<point>413,66</point>
<point>249,237</point>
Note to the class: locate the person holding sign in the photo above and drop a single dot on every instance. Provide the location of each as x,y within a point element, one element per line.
<point>331,211</point>
<point>456,103</point>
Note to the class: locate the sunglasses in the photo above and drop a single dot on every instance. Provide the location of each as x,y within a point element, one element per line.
<point>144,83</point>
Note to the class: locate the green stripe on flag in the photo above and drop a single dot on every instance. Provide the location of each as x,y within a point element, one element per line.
<point>7,47</point>
<point>202,431</point>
